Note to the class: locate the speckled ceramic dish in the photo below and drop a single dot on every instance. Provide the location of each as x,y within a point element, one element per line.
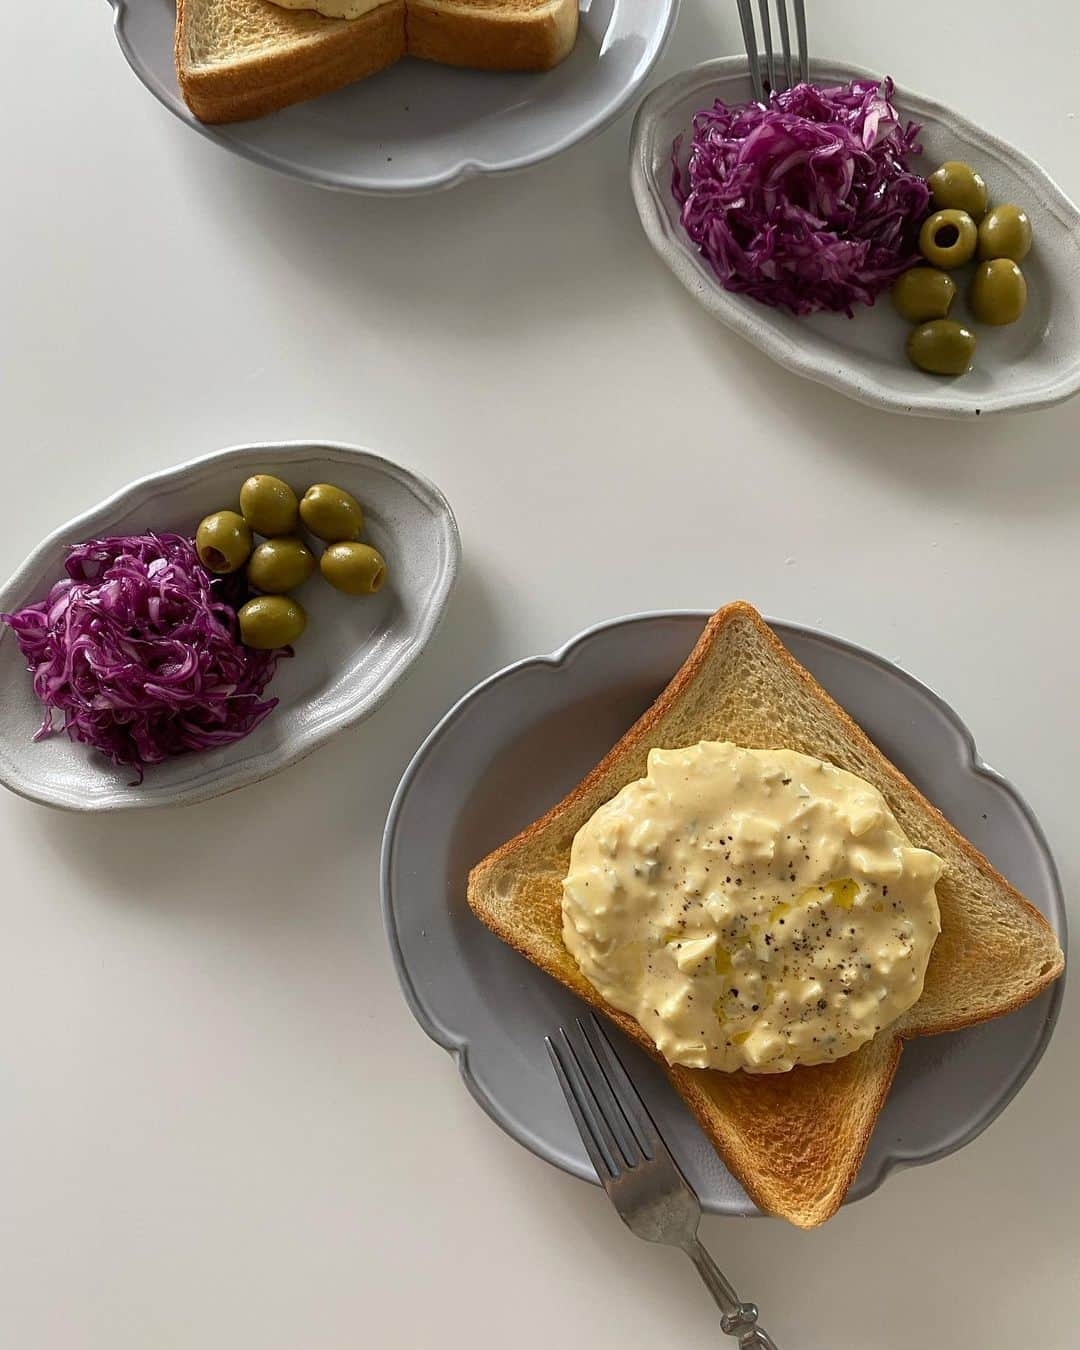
<point>518,742</point>
<point>353,653</point>
<point>419,126</point>
<point>1029,364</point>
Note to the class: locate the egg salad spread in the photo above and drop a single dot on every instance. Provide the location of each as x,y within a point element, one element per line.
<point>334,9</point>
<point>752,909</point>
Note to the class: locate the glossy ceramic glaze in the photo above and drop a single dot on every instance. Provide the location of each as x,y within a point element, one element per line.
<point>419,126</point>
<point>353,652</point>
<point>1029,364</point>
<point>519,741</point>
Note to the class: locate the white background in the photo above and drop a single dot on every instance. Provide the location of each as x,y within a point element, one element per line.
<point>219,1125</point>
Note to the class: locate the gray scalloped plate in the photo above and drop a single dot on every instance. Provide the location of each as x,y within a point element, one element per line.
<point>346,663</point>
<point>521,739</point>
<point>1030,364</point>
<point>417,127</point>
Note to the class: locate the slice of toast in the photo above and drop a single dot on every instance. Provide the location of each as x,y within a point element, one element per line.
<point>237,59</point>
<point>794,1140</point>
<point>493,34</point>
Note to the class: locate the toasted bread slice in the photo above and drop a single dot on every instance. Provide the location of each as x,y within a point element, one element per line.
<point>237,59</point>
<point>493,34</point>
<point>794,1140</point>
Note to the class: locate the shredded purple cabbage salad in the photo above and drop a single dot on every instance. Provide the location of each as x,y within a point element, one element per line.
<point>806,202</point>
<point>139,652</point>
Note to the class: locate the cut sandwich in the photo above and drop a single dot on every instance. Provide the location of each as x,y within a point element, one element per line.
<point>238,59</point>
<point>794,1140</point>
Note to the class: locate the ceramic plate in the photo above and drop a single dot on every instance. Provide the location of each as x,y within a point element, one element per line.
<point>353,652</point>
<point>418,126</point>
<point>515,745</point>
<point>1030,364</point>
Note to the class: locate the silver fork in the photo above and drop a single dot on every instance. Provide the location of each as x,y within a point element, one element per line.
<point>746,18</point>
<point>641,1177</point>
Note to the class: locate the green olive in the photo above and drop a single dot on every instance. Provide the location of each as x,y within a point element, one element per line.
<point>923,293</point>
<point>998,292</point>
<point>271,621</point>
<point>1005,232</point>
<point>959,187</point>
<point>948,238</point>
<point>331,513</point>
<point>356,569</point>
<point>223,542</point>
<point>280,565</point>
<point>269,505</point>
<point>942,347</point>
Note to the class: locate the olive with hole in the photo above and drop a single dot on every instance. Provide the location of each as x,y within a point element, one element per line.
<point>923,293</point>
<point>948,238</point>
<point>959,187</point>
<point>356,569</point>
<point>279,565</point>
<point>1005,232</point>
<point>331,513</point>
<point>271,621</point>
<point>941,347</point>
<point>223,542</point>
<point>269,505</point>
<point>998,292</point>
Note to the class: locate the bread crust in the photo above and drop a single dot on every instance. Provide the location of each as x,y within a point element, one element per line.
<point>257,85</point>
<point>723,1104</point>
<point>489,38</point>
<point>454,33</point>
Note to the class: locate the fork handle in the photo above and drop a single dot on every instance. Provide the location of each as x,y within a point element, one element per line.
<point>737,1319</point>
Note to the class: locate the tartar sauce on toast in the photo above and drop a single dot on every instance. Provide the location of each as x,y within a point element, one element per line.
<point>751,909</point>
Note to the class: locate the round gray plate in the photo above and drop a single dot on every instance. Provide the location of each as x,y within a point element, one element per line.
<point>419,126</point>
<point>518,742</point>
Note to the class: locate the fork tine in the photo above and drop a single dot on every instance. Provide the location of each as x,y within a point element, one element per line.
<point>766,42</point>
<point>746,18</point>
<point>804,50</point>
<point>598,1140</point>
<point>785,42</point>
<point>635,1110</point>
<point>607,1098</point>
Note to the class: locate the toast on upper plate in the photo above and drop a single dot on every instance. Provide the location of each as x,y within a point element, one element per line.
<point>492,34</point>
<point>794,1140</point>
<point>237,59</point>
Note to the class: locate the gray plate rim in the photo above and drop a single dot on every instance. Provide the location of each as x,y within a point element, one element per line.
<point>461,172</point>
<point>458,1046</point>
<point>231,778</point>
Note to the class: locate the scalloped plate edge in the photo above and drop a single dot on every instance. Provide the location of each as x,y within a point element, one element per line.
<point>458,1046</point>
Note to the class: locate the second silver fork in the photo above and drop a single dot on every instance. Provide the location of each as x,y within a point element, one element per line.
<point>640,1176</point>
<point>757,77</point>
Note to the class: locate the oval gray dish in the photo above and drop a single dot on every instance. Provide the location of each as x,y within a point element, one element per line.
<point>352,654</point>
<point>520,740</point>
<point>417,126</point>
<point>1030,364</point>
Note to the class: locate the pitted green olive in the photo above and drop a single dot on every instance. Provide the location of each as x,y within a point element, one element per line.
<point>280,565</point>
<point>271,621</point>
<point>923,293</point>
<point>331,513</point>
<point>269,505</point>
<point>948,238</point>
<point>958,186</point>
<point>941,347</point>
<point>356,569</point>
<point>223,542</point>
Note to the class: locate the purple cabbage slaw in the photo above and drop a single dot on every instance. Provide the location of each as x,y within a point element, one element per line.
<point>806,202</point>
<point>139,651</point>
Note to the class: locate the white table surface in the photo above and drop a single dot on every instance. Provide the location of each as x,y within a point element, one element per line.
<point>219,1124</point>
